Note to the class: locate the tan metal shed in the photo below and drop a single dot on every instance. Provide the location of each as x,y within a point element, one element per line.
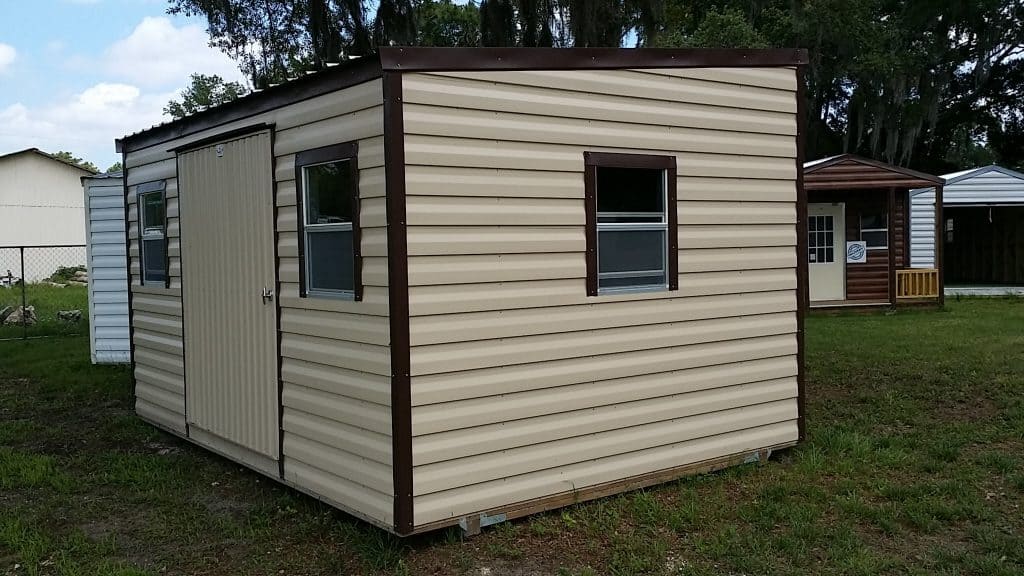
<point>441,286</point>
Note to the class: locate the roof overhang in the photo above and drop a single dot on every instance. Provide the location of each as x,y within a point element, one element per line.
<point>422,59</point>
<point>851,172</point>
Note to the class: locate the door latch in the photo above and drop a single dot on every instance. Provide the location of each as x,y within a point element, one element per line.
<point>267,294</point>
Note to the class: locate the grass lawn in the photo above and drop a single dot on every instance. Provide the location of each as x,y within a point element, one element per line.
<point>914,465</point>
<point>47,301</point>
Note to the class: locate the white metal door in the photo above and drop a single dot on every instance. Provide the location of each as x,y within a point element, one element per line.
<point>826,251</point>
<point>227,244</point>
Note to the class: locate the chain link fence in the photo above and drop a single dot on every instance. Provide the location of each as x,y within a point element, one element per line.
<point>44,291</point>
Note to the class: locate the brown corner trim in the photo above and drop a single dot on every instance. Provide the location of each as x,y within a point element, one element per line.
<point>344,75</point>
<point>591,162</point>
<point>891,241</point>
<point>128,266</point>
<point>345,151</point>
<point>423,59</point>
<point>398,301</point>
<point>940,242</point>
<point>802,279</point>
<point>222,137</point>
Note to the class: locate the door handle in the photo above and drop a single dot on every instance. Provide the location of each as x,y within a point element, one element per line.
<point>267,294</point>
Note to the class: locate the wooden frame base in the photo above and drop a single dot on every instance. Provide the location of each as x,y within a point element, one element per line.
<point>555,501</point>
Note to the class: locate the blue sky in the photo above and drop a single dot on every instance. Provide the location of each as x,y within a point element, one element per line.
<point>75,74</point>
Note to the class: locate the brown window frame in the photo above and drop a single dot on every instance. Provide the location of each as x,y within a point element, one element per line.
<point>156,187</point>
<point>346,151</point>
<point>594,160</point>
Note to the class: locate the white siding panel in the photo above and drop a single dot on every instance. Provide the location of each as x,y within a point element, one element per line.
<point>922,230</point>
<point>108,270</point>
<point>568,479</point>
<point>522,385</point>
<point>341,452</point>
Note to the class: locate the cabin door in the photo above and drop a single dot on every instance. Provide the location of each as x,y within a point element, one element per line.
<point>826,251</point>
<point>228,283</point>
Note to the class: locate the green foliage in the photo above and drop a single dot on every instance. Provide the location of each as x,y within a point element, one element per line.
<point>727,28</point>
<point>72,159</point>
<point>115,167</point>
<point>203,92</point>
<point>65,273</point>
<point>445,23</point>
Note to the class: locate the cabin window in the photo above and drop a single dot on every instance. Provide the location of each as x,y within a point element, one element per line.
<point>328,179</point>
<point>631,211</point>
<point>152,207</point>
<point>874,230</point>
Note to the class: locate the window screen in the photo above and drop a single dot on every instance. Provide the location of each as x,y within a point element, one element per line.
<point>152,223</point>
<point>330,231</point>
<point>632,224</point>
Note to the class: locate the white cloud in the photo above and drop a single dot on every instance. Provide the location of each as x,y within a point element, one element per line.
<point>85,124</point>
<point>7,56</point>
<point>158,54</point>
<point>135,77</point>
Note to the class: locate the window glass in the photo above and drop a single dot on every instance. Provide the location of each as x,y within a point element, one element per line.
<point>820,239</point>
<point>875,239</point>
<point>328,193</point>
<point>329,205</point>
<point>630,250</point>
<point>630,195</point>
<point>632,229</point>
<point>154,260</point>
<point>153,212</point>
<point>874,230</point>
<point>330,256</point>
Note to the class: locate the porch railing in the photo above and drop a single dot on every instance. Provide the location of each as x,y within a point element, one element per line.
<point>917,283</point>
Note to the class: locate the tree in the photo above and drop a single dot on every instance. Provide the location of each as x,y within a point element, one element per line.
<point>72,159</point>
<point>445,23</point>
<point>115,167</point>
<point>203,92</point>
<point>912,82</point>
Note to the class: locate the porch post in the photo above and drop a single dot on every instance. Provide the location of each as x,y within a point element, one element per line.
<point>891,219</point>
<point>940,240</point>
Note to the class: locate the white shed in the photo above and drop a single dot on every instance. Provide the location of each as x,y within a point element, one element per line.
<point>983,213</point>
<point>41,204</point>
<point>108,273</point>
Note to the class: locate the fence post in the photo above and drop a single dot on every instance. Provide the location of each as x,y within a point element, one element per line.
<point>24,297</point>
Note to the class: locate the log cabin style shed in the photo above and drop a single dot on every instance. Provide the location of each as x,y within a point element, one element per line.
<point>858,253</point>
<point>454,286</point>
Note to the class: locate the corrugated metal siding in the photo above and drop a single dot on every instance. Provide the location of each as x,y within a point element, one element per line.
<point>987,188</point>
<point>336,416</point>
<point>108,273</point>
<point>922,230</point>
<point>228,258</point>
<point>522,386</point>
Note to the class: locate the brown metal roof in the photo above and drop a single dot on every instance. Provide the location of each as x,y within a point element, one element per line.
<point>848,171</point>
<point>419,59</point>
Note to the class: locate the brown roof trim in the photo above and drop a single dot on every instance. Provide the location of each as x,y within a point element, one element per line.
<point>342,76</point>
<point>421,59</point>
<point>413,59</point>
<point>907,172</point>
